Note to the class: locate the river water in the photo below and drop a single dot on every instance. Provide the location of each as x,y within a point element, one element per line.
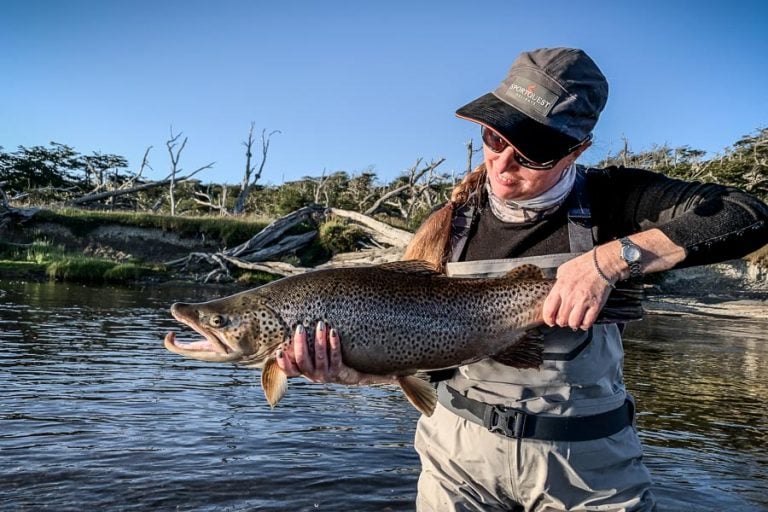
<point>96,413</point>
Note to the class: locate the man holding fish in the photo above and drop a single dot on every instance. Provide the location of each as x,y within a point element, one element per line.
<point>527,408</point>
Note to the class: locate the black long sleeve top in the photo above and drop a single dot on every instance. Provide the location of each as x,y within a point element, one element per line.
<point>711,222</point>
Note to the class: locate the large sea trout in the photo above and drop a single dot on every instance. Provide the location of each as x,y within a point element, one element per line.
<point>394,320</point>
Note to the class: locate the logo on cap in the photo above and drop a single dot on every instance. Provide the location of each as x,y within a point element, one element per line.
<point>531,97</point>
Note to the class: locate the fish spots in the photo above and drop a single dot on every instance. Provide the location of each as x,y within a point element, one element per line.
<point>388,321</point>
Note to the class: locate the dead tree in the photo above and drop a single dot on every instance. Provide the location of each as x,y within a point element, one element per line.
<point>406,196</point>
<point>172,144</point>
<point>470,154</point>
<point>250,177</point>
<point>174,150</point>
<point>206,199</point>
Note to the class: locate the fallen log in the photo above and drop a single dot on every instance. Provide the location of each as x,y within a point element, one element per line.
<point>271,267</point>
<point>273,232</point>
<point>379,231</point>
<point>286,245</point>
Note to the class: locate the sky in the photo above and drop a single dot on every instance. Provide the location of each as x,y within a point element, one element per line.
<point>360,85</point>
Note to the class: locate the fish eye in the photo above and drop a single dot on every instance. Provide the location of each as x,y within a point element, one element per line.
<point>217,321</point>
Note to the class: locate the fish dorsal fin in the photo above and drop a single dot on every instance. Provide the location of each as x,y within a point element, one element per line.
<point>413,267</point>
<point>420,393</point>
<point>273,382</point>
<point>526,353</point>
<point>525,271</point>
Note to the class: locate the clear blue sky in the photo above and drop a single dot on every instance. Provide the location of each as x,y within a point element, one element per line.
<point>359,84</point>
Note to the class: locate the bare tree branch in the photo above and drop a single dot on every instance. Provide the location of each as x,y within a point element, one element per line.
<point>247,184</point>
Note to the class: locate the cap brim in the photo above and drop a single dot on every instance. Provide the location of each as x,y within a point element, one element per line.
<point>536,141</point>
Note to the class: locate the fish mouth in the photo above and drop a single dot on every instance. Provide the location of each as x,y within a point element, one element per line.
<point>213,348</point>
<point>205,350</point>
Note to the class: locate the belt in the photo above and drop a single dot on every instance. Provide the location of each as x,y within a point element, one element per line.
<point>519,424</point>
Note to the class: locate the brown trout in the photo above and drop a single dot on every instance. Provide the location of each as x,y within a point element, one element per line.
<point>393,319</point>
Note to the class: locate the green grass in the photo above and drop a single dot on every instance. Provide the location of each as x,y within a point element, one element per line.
<point>229,231</point>
<point>39,252</point>
<point>43,258</point>
<point>82,269</point>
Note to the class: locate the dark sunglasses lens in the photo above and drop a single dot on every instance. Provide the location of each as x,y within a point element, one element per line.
<point>534,165</point>
<point>494,142</point>
<point>497,144</point>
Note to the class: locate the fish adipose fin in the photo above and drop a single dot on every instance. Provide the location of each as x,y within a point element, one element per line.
<point>273,382</point>
<point>418,267</point>
<point>526,353</point>
<point>420,393</point>
<point>525,271</point>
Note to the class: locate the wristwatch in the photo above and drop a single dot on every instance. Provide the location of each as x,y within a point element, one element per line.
<point>631,254</point>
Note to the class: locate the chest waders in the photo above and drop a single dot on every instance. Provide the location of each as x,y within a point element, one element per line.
<point>551,439</point>
<point>578,392</point>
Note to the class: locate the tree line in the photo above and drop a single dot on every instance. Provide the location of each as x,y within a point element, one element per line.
<point>57,174</point>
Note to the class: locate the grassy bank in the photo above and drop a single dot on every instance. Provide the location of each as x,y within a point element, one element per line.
<point>43,260</point>
<point>39,252</point>
<point>229,231</point>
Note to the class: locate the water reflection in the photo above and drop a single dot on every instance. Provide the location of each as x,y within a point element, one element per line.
<point>95,412</point>
<point>700,384</point>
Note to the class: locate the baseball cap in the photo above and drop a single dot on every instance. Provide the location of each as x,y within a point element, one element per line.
<point>549,101</point>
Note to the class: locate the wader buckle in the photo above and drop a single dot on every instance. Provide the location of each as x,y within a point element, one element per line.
<point>508,422</point>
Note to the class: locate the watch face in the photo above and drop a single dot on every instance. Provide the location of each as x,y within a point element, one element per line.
<point>630,253</point>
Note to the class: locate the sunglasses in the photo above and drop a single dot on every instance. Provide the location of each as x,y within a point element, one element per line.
<point>497,144</point>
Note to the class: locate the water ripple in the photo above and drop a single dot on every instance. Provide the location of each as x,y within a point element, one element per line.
<point>96,412</point>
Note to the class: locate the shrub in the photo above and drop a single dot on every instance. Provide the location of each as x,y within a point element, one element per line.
<point>339,237</point>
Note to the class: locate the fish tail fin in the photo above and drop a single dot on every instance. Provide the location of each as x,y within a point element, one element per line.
<point>623,304</point>
<point>420,393</point>
<point>273,382</point>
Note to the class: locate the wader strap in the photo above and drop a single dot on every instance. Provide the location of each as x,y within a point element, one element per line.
<point>580,227</point>
<point>518,424</point>
<point>460,227</point>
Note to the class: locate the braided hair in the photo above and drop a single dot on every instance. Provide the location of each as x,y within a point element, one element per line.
<point>432,242</point>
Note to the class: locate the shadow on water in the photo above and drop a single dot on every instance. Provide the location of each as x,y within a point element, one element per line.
<point>96,412</point>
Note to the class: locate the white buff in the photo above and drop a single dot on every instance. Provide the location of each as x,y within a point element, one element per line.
<point>531,210</point>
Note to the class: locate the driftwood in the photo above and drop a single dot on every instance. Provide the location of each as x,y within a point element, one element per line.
<point>285,245</point>
<point>89,198</point>
<point>347,259</point>
<point>379,231</point>
<point>272,267</point>
<point>261,252</point>
<point>362,258</point>
<point>273,232</point>
<point>9,214</point>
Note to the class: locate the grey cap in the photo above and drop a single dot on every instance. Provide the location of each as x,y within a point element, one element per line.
<point>549,101</point>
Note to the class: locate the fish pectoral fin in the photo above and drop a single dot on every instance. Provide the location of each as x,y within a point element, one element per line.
<point>420,393</point>
<point>525,271</point>
<point>526,353</point>
<point>273,382</point>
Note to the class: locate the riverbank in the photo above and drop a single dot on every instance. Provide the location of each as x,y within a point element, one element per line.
<point>129,249</point>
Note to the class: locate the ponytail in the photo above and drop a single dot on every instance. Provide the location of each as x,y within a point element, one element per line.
<point>432,242</point>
